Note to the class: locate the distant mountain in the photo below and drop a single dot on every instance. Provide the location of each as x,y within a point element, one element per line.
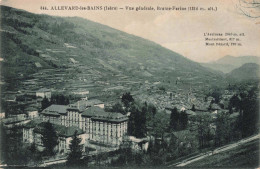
<point>78,53</point>
<point>248,71</point>
<point>229,63</point>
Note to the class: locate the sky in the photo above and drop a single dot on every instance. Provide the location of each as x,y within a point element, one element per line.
<point>179,31</point>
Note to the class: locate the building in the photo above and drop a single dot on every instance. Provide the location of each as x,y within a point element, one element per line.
<point>95,102</point>
<point>15,120</point>
<point>2,115</point>
<point>73,61</point>
<point>100,126</point>
<point>32,133</point>
<point>56,114</point>
<point>82,94</point>
<point>28,136</point>
<point>44,93</point>
<point>104,127</point>
<point>137,144</point>
<point>10,98</point>
<point>32,113</point>
<point>17,116</point>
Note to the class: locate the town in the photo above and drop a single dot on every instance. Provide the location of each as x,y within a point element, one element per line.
<point>103,129</point>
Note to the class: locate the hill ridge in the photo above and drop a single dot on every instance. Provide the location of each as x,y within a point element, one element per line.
<point>228,63</point>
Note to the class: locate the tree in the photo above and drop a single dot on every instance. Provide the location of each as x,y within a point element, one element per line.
<point>34,154</point>
<point>249,113</point>
<point>185,143</point>
<point>150,114</point>
<point>230,109</point>
<point>33,148</point>
<point>118,108</point>
<point>45,103</point>
<point>183,120</point>
<point>75,154</point>
<point>157,152</point>
<point>193,108</point>
<point>173,146</point>
<point>59,99</point>
<point>223,129</point>
<point>49,139</point>
<point>125,152</point>
<point>137,121</point>
<point>151,109</point>
<point>202,122</point>
<point>234,102</point>
<point>210,107</point>
<point>174,119</point>
<point>127,99</point>
<point>160,124</point>
<point>216,94</point>
<point>15,152</point>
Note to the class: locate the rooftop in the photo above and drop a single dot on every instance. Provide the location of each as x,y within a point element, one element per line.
<point>190,112</point>
<point>83,104</point>
<point>214,106</point>
<point>94,111</point>
<point>99,114</point>
<point>55,109</point>
<point>32,124</point>
<point>10,97</point>
<point>31,109</point>
<point>12,120</point>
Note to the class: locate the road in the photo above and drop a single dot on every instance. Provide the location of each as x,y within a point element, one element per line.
<point>44,164</point>
<point>58,161</point>
<point>216,151</point>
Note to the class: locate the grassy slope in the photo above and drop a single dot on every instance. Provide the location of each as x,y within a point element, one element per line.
<point>97,46</point>
<point>246,155</point>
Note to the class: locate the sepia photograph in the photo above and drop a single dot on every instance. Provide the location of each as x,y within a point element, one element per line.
<point>129,84</point>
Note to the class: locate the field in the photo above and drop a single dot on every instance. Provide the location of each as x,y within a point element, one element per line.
<point>246,155</point>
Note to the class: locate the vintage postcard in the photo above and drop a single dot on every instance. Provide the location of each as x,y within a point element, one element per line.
<point>129,83</point>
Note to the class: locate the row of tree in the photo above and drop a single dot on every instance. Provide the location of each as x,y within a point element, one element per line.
<point>55,99</point>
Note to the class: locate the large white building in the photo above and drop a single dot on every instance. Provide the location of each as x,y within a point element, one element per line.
<point>99,126</point>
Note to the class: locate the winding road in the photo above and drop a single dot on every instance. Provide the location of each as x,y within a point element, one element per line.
<point>216,151</point>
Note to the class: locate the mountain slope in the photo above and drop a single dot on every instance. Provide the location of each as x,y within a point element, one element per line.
<point>229,63</point>
<point>248,71</point>
<point>79,53</point>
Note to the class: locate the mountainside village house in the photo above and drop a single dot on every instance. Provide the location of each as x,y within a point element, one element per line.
<point>88,117</point>
<point>44,93</point>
